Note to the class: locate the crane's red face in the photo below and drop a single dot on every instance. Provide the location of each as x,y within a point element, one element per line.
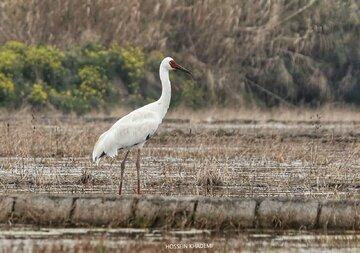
<point>176,66</point>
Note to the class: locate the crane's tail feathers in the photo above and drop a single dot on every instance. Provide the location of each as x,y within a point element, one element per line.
<point>104,147</point>
<point>98,151</point>
<point>97,158</point>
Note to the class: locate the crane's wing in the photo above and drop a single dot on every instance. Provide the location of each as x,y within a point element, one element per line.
<point>134,128</point>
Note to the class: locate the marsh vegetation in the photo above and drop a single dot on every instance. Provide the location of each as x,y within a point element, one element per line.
<point>313,155</point>
<point>85,55</point>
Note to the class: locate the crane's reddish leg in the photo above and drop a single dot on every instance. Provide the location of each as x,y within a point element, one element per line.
<point>138,171</point>
<point>122,171</point>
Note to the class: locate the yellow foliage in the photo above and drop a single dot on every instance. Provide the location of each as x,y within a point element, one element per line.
<point>93,84</point>
<point>7,88</point>
<point>134,60</point>
<point>42,56</point>
<point>15,46</point>
<point>38,95</point>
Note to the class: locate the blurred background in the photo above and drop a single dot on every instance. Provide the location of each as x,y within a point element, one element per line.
<point>90,55</point>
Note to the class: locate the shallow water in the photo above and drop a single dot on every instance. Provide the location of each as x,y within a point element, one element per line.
<point>269,159</point>
<point>142,240</point>
<point>256,177</point>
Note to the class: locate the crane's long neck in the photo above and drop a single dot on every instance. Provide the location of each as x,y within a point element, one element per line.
<point>164,100</point>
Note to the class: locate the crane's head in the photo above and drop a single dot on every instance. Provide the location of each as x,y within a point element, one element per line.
<point>170,64</point>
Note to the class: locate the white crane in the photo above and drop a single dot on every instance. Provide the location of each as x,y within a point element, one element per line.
<point>135,128</point>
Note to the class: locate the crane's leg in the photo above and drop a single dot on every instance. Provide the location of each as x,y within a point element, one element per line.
<point>138,171</point>
<point>122,171</point>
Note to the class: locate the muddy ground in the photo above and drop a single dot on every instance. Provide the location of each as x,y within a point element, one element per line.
<point>310,159</point>
<point>305,159</point>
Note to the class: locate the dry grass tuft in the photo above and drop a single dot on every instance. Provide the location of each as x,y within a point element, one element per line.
<point>209,178</point>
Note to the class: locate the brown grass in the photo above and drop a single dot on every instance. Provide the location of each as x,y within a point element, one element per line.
<point>279,155</point>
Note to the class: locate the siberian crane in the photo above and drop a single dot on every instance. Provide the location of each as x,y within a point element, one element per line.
<point>134,129</point>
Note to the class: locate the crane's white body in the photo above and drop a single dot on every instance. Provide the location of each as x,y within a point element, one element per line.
<point>135,128</point>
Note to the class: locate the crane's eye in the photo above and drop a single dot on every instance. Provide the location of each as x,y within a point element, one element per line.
<point>173,64</point>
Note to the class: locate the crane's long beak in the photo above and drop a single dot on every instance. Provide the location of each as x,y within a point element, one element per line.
<point>179,67</point>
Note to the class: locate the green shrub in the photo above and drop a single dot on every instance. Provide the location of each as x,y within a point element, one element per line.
<point>62,100</point>
<point>7,89</point>
<point>92,54</point>
<point>15,46</point>
<point>38,95</point>
<point>192,94</point>
<point>132,66</point>
<point>9,61</point>
<point>44,57</point>
<point>81,102</point>
<point>43,62</point>
<point>93,85</point>
<point>12,56</point>
<point>133,58</point>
